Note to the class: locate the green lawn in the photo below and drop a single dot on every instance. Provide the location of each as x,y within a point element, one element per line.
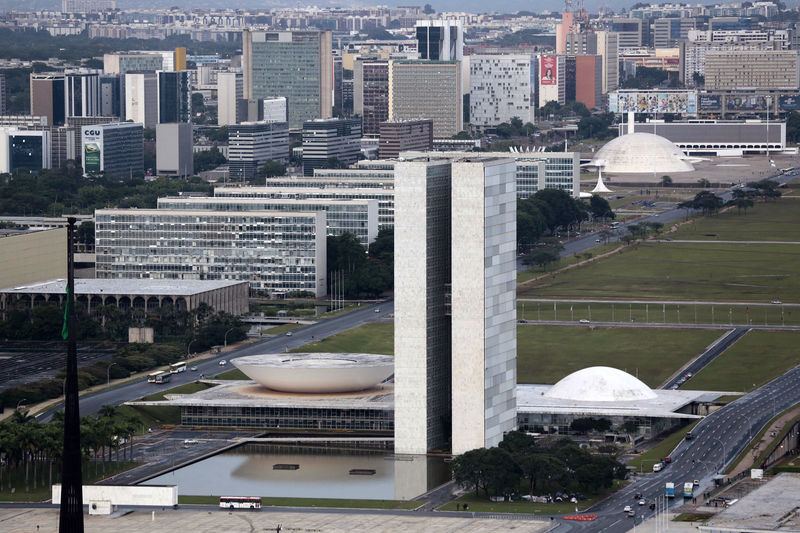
<point>682,271</point>
<point>187,388</point>
<point>766,221</point>
<point>311,502</point>
<point>755,359</point>
<point>279,330</point>
<point>375,337</point>
<point>232,374</point>
<point>546,354</point>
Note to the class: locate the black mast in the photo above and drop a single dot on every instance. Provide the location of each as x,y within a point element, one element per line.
<point>71,513</point>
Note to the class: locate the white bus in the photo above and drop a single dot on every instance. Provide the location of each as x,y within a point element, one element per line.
<point>240,502</point>
<point>177,367</point>
<point>158,377</point>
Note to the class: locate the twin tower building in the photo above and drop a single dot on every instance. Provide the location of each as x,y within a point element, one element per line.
<point>455,300</point>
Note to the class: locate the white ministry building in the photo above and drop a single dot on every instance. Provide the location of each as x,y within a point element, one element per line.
<point>455,323</point>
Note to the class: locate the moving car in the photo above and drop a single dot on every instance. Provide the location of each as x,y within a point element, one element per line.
<point>223,362</point>
<point>585,321</point>
<point>378,310</point>
<point>642,502</point>
<point>193,369</point>
<point>627,509</point>
<point>288,333</point>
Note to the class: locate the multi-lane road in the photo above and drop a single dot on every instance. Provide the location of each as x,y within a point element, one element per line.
<point>91,403</point>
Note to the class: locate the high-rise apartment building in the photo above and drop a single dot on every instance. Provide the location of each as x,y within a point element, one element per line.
<point>86,6</point>
<point>229,91</point>
<point>174,97</point>
<point>141,98</point>
<point>251,144</point>
<point>324,139</point>
<point>114,149</point>
<point>174,155</point>
<point>500,89</point>
<point>752,69</point>
<point>277,252</point>
<point>294,64</point>
<point>401,135</point>
<point>588,80</point>
<point>48,98</point>
<point>455,323</point>
<point>427,89</point>
<point>371,92</point>
<point>440,40</point>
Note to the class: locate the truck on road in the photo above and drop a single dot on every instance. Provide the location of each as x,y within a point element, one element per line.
<point>688,489</point>
<point>670,490</point>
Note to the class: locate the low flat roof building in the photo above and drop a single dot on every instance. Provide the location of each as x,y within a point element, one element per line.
<point>719,137</point>
<point>356,216</point>
<point>277,252</point>
<point>185,295</point>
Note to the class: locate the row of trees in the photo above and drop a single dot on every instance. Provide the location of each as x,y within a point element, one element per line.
<point>26,445</point>
<point>65,190</point>
<point>361,272</point>
<point>521,464</point>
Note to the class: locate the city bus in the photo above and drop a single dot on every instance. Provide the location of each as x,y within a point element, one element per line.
<point>177,367</point>
<point>158,377</point>
<point>240,502</point>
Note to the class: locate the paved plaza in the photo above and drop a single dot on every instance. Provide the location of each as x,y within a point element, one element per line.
<point>18,520</point>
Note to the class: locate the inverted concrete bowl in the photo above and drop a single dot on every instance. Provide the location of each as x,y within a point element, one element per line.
<point>316,372</point>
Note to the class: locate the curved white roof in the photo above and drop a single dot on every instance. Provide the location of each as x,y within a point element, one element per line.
<point>316,372</point>
<point>641,153</point>
<point>600,384</point>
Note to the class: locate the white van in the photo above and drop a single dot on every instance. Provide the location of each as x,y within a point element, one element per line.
<point>657,467</point>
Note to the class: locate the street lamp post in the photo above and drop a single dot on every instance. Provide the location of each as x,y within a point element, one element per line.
<point>226,336</point>
<point>723,451</point>
<point>108,373</point>
<point>19,402</point>
<point>189,349</point>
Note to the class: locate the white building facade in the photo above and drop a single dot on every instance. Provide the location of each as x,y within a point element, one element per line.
<point>500,89</point>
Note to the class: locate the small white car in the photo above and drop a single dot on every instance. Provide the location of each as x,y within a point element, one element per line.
<point>585,321</point>
<point>190,441</point>
<point>642,502</point>
<point>223,362</point>
<point>627,509</point>
<point>378,310</point>
<point>288,333</point>
<point>193,369</point>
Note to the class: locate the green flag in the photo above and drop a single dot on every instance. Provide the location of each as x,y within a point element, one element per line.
<point>65,327</point>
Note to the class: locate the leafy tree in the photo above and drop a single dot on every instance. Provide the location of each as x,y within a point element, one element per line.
<point>462,135</point>
<point>85,234</point>
<point>468,469</point>
<point>541,257</point>
<point>708,202</point>
<point>703,182</point>
<point>600,208</point>
<point>500,472</point>
<point>595,126</point>
<point>698,79</point>
<point>793,127</point>
<point>428,9</point>
<point>271,169</point>
<point>208,159</point>
<point>382,248</point>
<point>334,162</point>
<point>666,181</point>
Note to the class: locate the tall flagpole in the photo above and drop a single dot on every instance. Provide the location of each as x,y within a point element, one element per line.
<point>71,513</point>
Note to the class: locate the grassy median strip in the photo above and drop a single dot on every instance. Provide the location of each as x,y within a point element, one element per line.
<point>755,359</point>
<point>310,502</point>
<point>375,337</point>
<point>645,461</point>
<point>766,221</point>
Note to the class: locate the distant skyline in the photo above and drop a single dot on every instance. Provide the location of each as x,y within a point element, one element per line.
<point>473,6</point>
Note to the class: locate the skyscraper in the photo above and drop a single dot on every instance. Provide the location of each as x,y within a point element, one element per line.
<point>82,93</point>
<point>48,98</point>
<point>141,98</point>
<point>455,318</point>
<point>294,64</point>
<point>229,91</point>
<point>440,40</point>
<point>371,92</point>
<point>174,97</point>
<point>500,89</point>
<point>114,149</point>
<point>2,94</point>
<point>427,89</point>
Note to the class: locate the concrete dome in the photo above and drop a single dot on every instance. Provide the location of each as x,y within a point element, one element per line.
<point>641,153</point>
<point>600,384</point>
<point>316,372</point>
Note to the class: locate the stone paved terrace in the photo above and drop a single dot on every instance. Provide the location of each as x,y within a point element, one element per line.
<point>19,520</point>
